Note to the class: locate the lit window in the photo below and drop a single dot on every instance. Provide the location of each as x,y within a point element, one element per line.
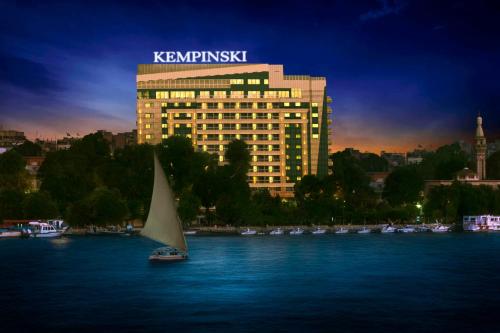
<point>236,81</point>
<point>163,104</point>
<point>266,81</point>
<point>284,93</point>
<point>315,136</point>
<point>296,93</point>
<point>286,104</point>
<point>297,115</point>
<point>297,103</point>
<point>203,105</point>
<point>161,94</point>
<point>164,136</point>
<point>237,94</point>
<point>315,115</point>
<point>253,81</point>
<point>314,104</point>
<point>204,94</point>
<point>148,105</point>
<point>253,94</point>
<point>164,126</point>
<point>315,125</point>
<point>221,158</point>
<point>270,94</point>
<point>204,147</point>
<point>147,115</point>
<point>271,179</point>
<point>182,94</point>
<point>219,94</point>
<point>287,115</point>
<point>299,178</point>
<point>148,136</point>
<point>188,104</point>
<point>148,125</point>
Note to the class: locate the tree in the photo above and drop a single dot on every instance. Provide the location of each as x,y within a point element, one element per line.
<point>493,166</point>
<point>403,186</point>
<point>444,163</point>
<point>373,163</point>
<point>188,207</point>
<point>11,204</point>
<point>39,205</point>
<point>101,207</point>
<point>13,174</point>
<point>238,156</point>
<point>28,148</point>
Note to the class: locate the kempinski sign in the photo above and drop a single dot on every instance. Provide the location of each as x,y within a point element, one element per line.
<point>175,57</point>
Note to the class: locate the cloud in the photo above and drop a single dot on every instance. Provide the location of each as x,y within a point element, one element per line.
<point>388,7</point>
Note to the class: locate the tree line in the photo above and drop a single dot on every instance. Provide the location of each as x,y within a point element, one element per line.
<point>89,184</point>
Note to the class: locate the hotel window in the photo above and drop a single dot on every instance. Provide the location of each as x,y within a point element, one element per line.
<point>315,136</point>
<point>236,81</point>
<point>148,125</point>
<point>204,94</point>
<point>286,104</point>
<point>219,94</point>
<point>221,158</point>
<point>161,94</point>
<point>203,105</point>
<point>297,103</point>
<point>298,168</point>
<point>270,94</point>
<point>148,105</point>
<point>297,136</point>
<point>164,136</point>
<point>314,115</point>
<point>296,93</point>
<point>148,136</point>
<point>182,94</point>
<point>297,115</point>
<point>314,104</point>
<point>284,93</point>
<point>236,94</point>
<point>253,81</point>
<point>164,125</point>
<point>266,81</point>
<point>147,115</point>
<point>253,94</point>
<point>315,125</point>
<point>271,179</point>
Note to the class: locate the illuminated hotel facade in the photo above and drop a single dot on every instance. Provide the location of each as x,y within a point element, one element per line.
<point>284,119</point>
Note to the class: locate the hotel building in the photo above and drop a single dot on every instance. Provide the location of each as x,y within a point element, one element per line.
<point>284,119</point>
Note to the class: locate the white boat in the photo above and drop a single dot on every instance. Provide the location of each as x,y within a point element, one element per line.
<point>481,223</point>
<point>365,230</point>
<point>407,229</point>
<point>318,231</point>
<point>163,224</point>
<point>248,232</point>
<point>277,232</point>
<point>7,233</point>
<point>342,231</point>
<point>190,232</point>
<point>58,224</point>
<point>440,229</point>
<point>388,229</point>
<point>297,231</point>
<point>43,230</point>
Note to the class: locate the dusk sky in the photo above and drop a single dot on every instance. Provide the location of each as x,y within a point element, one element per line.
<point>401,73</point>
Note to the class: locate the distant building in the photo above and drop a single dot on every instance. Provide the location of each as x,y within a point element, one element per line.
<point>466,175</point>
<point>377,180</point>
<point>394,159</point>
<point>415,157</point>
<point>121,140</point>
<point>11,138</point>
<point>33,164</point>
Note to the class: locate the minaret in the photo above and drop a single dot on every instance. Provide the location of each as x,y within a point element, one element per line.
<point>480,142</point>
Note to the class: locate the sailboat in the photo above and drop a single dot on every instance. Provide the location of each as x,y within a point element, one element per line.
<point>163,224</point>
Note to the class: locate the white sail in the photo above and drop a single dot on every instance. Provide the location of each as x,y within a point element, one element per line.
<point>163,224</point>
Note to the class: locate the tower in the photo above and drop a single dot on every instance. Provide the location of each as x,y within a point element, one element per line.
<point>480,145</point>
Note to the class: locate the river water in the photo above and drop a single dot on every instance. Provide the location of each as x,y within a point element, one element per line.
<point>327,283</point>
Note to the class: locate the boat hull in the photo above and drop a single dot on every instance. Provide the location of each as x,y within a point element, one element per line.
<point>47,235</point>
<point>10,234</point>
<point>167,258</point>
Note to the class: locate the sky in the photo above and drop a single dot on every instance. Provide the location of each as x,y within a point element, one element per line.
<point>400,73</point>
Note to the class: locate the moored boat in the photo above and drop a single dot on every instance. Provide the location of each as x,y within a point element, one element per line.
<point>407,229</point>
<point>342,230</point>
<point>365,230</point>
<point>318,231</point>
<point>297,231</point>
<point>277,232</point>
<point>248,232</point>
<point>8,233</point>
<point>388,229</point>
<point>440,229</point>
<point>190,232</point>
<point>43,230</point>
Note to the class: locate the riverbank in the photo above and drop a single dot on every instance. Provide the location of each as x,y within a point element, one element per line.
<point>232,230</point>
